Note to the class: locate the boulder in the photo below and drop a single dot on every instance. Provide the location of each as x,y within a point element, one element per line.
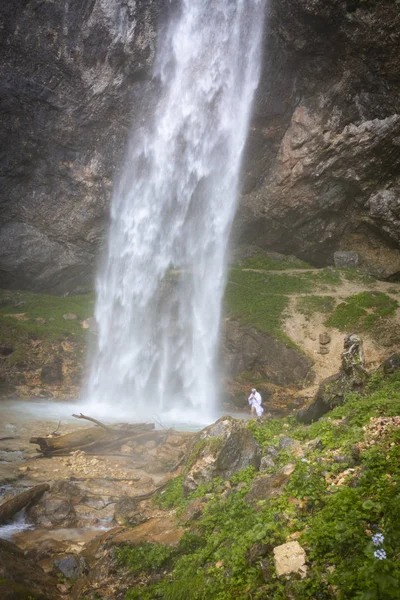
<point>290,558</point>
<point>270,486</point>
<point>57,508</point>
<point>391,364</point>
<point>71,566</point>
<point>331,393</point>
<point>221,450</point>
<point>127,512</point>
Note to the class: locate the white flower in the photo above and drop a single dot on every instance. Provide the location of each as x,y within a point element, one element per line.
<point>380,554</point>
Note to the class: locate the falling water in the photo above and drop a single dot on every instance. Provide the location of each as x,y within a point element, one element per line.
<point>161,287</point>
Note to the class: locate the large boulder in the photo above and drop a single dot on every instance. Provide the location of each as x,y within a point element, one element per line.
<point>322,168</point>
<point>57,507</point>
<point>221,450</point>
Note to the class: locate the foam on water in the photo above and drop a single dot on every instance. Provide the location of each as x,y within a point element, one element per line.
<point>161,285</point>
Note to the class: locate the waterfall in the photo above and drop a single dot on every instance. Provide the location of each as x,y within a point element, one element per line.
<point>160,290</point>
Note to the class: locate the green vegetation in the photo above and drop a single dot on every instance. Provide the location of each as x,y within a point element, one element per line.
<point>362,312</point>
<point>41,306</point>
<point>269,263</point>
<point>309,305</point>
<point>346,489</point>
<point>260,299</point>
<point>40,317</point>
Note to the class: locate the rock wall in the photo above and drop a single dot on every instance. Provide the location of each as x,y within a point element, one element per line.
<point>71,73</point>
<point>323,169</point>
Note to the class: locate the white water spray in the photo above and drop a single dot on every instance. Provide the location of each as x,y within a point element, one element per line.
<point>161,288</point>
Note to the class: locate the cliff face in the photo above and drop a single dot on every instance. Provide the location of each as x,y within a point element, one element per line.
<point>322,170</point>
<point>71,72</point>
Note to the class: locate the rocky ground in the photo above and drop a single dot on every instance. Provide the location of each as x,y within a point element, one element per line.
<point>90,496</point>
<point>267,508</point>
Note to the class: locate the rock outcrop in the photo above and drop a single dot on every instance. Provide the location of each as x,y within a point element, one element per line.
<point>223,448</point>
<point>71,75</point>
<point>322,171</point>
<point>323,156</point>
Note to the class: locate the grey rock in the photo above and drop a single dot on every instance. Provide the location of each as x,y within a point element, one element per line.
<point>346,260</point>
<point>391,364</point>
<point>69,317</point>
<point>221,450</point>
<point>267,464</point>
<point>286,442</point>
<point>71,567</point>
<point>271,451</point>
<point>71,98</point>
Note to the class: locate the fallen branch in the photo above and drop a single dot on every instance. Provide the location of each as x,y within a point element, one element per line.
<point>11,507</point>
<point>95,421</point>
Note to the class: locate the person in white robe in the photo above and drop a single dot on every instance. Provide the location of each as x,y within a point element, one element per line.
<point>255,402</point>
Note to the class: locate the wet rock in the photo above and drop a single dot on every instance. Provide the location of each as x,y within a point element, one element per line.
<point>290,558</point>
<point>270,486</point>
<point>21,577</point>
<point>220,450</point>
<point>128,512</point>
<point>53,371</point>
<point>160,530</point>
<point>346,260</point>
<point>57,508</point>
<point>71,567</point>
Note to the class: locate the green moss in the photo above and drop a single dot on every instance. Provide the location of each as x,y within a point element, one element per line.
<point>363,311</point>
<point>50,308</point>
<point>309,305</point>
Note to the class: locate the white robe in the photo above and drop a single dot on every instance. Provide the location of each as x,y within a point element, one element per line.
<point>255,401</point>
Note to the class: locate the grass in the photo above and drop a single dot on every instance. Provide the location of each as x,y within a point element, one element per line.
<point>228,550</point>
<point>309,305</point>
<point>260,299</point>
<point>363,311</point>
<point>43,306</point>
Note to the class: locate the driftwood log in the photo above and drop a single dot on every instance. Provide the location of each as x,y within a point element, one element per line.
<point>11,507</point>
<point>95,439</point>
